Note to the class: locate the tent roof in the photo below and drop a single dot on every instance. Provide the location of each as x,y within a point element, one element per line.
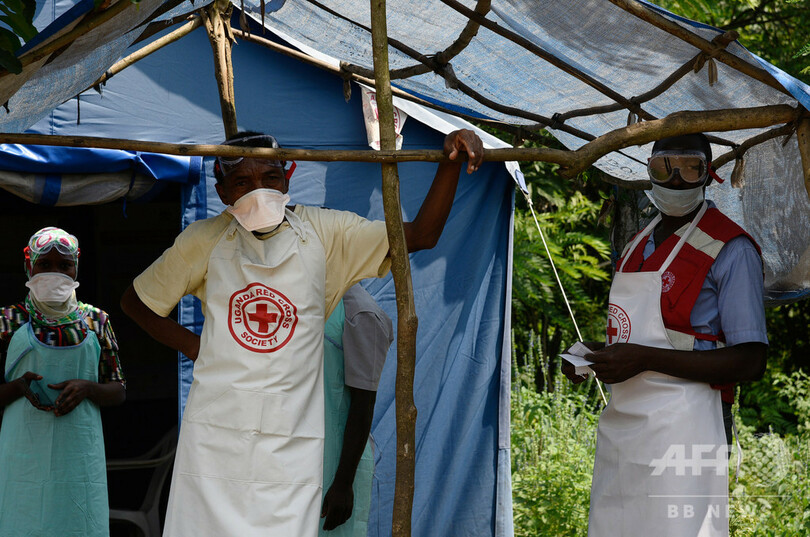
<point>547,64</point>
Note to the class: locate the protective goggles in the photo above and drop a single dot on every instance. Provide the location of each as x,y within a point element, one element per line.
<point>691,166</point>
<point>226,165</point>
<point>44,240</point>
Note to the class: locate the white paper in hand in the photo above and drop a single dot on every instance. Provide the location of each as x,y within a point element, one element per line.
<point>574,355</point>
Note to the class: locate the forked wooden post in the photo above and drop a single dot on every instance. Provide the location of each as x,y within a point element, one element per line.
<point>401,269</point>
<point>217,22</point>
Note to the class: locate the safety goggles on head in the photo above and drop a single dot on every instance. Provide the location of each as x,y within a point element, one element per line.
<point>44,240</point>
<point>226,165</point>
<point>691,166</point>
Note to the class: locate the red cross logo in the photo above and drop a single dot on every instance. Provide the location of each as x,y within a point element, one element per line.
<point>618,325</point>
<point>263,317</point>
<point>612,331</point>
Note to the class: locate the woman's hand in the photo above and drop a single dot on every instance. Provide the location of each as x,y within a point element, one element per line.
<point>74,391</point>
<point>25,386</point>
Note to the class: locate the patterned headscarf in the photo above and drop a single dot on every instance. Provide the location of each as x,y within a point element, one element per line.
<point>44,240</point>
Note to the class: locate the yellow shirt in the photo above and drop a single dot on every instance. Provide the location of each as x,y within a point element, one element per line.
<point>355,249</point>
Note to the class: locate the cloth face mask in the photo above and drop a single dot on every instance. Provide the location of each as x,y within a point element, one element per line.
<point>52,288</point>
<point>675,202</point>
<point>260,210</point>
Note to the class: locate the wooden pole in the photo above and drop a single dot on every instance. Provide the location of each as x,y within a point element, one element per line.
<point>803,137</point>
<point>148,49</point>
<point>401,269</point>
<point>573,162</point>
<point>675,124</point>
<point>217,18</point>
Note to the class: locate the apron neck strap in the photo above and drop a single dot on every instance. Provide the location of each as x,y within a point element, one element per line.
<point>692,225</point>
<point>295,223</point>
<point>647,230</point>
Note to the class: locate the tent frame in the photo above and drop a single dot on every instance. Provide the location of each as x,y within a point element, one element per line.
<point>642,127</point>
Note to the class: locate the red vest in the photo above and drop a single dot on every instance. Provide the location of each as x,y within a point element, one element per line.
<point>682,281</point>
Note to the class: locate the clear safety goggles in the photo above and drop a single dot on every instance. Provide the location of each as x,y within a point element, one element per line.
<point>44,242</point>
<point>226,165</point>
<point>691,166</point>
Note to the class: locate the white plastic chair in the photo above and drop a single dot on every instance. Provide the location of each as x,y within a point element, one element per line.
<point>160,459</point>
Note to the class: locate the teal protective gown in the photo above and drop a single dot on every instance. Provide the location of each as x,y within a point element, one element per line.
<point>53,475</point>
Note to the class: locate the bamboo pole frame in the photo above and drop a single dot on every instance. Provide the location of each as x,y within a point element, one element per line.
<point>573,162</point>
<point>143,52</point>
<point>217,23</point>
<point>407,321</point>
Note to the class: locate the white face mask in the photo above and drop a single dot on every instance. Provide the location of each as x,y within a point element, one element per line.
<point>52,288</point>
<point>675,202</point>
<point>260,210</point>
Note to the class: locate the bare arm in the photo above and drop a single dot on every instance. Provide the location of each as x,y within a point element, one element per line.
<point>162,329</point>
<point>424,231</point>
<point>339,500</point>
<point>742,362</point>
<point>19,387</point>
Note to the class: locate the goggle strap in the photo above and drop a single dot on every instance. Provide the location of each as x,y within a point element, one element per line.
<point>714,175</point>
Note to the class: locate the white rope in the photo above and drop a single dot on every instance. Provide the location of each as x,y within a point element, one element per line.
<point>559,282</point>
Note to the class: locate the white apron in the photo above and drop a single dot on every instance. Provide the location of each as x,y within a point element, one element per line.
<point>250,454</point>
<point>661,456</point>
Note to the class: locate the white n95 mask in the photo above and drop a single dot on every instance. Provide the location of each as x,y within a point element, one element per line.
<point>260,210</point>
<point>52,288</point>
<point>675,202</point>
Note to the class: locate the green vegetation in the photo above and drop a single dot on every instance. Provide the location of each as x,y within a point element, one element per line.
<point>553,442</point>
<point>16,16</point>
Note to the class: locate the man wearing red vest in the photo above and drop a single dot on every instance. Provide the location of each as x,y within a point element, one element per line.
<point>685,321</point>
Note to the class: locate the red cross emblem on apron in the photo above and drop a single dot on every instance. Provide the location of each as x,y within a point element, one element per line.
<point>260,318</point>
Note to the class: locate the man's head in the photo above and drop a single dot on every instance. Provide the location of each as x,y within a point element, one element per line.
<point>681,162</point>
<point>680,169</point>
<point>239,176</point>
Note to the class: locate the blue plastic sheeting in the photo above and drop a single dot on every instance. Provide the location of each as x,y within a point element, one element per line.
<point>462,378</point>
<point>43,159</point>
<point>49,82</point>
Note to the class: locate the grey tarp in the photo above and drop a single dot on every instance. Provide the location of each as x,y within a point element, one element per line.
<point>615,48</point>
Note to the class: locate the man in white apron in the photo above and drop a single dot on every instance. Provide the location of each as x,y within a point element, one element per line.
<point>250,452</point>
<point>357,338</point>
<point>685,316</point>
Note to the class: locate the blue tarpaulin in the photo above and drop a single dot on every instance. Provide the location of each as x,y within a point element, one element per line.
<point>74,160</point>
